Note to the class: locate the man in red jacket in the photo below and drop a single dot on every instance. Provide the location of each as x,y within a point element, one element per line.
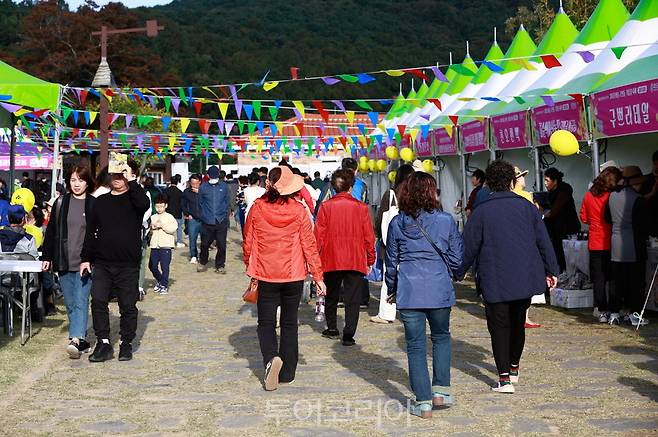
<point>346,243</point>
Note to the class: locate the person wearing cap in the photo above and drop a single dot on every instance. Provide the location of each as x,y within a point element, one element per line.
<point>516,260</point>
<point>214,204</point>
<point>628,212</point>
<point>113,246</point>
<point>346,242</point>
<point>279,250</point>
<point>13,238</point>
<point>62,246</point>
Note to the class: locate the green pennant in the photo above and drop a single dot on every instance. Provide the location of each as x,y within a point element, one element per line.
<point>398,138</point>
<point>309,152</point>
<point>298,143</point>
<point>66,112</point>
<point>286,149</point>
<point>273,112</point>
<point>167,103</point>
<point>229,146</point>
<point>251,127</point>
<point>144,120</point>
<point>241,126</point>
<point>349,78</point>
<point>256,105</point>
<point>363,104</point>
<point>460,69</point>
<point>618,51</point>
<point>123,141</point>
<point>183,97</point>
<point>519,100</point>
<point>205,142</point>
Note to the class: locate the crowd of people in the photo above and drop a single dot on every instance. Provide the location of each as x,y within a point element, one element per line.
<point>298,231</point>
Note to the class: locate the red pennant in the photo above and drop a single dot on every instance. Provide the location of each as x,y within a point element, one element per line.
<point>319,131</point>
<point>454,119</point>
<point>437,103</point>
<point>418,73</point>
<point>293,72</point>
<point>300,126</point>
<point>92,135</point>
<point>110,118</point>
<point>75,132</point>
<point>204,125</point>
<point>83,96</point>
<point>241,143</point>
<point>550,61</point>
<point>343,141</point>
<point>323,113</point>
<point>109,92</point>
<point>39,113</point>
<point>155,143</point>
<point>197,108</point>
<point>401,128</point>
<point>578,98</point>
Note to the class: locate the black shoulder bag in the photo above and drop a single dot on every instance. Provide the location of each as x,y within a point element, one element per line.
<point>436,248</point>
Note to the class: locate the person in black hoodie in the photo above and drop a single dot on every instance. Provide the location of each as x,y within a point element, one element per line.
<point>62,246</point>
<point>561,219</point>
<point>113,246</point>
<point>174,207</point>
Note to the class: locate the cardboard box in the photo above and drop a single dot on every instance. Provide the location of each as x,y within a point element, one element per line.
<point>572,298</point>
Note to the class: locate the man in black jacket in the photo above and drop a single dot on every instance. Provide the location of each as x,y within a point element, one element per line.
<point>174,198</point>
<point>113,245</point>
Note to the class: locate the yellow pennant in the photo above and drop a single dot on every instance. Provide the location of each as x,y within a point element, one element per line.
<point>300,106</point>
<point>270,85</point>
<point>21,112</point>
<point>350,116</point>
<point>108,96</point>
<point>448,128</point>
<point>252,141</point>
<point>297,132</point>
<point>219,154</point>
<point>381,127</point>
<point>395,73</point>
<point>184,123</point>
<point>413,133</point>
<point>223,107</point>
<point>92,116</point>
<point>524,64</point>
<point>466,99</point>
<point>260,144</point>
<point>172,140</point>
<point>279,127</point>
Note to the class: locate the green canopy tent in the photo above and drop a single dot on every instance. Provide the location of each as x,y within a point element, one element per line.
<point>29,91</point>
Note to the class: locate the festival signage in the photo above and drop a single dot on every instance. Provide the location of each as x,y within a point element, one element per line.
<point>568,115</point>
<point>510,131</point>
<point>444,142</point>
<point>424,147</point>
<point>475,136</point>
<point>28,162</point>
<point>626,110</point>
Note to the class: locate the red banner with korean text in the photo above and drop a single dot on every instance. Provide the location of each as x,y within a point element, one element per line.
<point>475,136</point>
<point>626,110</point>
<point>568,115</point>
<point>510,131</point>
<point>444,141</point>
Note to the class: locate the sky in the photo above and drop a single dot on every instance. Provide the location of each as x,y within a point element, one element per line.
<point>74,4</point>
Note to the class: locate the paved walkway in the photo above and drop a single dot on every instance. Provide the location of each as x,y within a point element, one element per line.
<point>197,371</point>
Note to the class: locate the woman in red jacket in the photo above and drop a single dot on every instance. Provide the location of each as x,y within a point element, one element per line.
<point>592,213</point>
<point>278,246</point>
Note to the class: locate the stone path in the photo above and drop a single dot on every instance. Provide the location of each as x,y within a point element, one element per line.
<point>197,371</point>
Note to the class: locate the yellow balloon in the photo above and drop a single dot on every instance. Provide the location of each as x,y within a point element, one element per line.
<point>36,233</point>
<point>407,154</point>
<point>25,197</point>
<point>391,176</point>
<point>363,165</point>
<point>428,166</point>
<point>372,165</point>
<point>392,152</point>
<point>564,143</point>
<point>381,165</point>
<point>363,159</point>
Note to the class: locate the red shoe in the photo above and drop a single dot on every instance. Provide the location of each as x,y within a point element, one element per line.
<point>532,325</point>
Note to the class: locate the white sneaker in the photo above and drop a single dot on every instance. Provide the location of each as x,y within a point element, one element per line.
<point>614,318</point>
<point>193,260</point>
<point>603,317</point>
<point>507,388</point>
<point>180,245</point>
<point>636,320</point>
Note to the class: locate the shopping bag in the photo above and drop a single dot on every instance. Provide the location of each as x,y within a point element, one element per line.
<point>251,293</point>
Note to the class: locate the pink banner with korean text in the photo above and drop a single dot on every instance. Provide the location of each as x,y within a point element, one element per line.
<point>630,109</point>
<point>510,131</point>
<point>475,136</point>
<point>42,162</point>
<point>424,147</point>
<point>568,115</point>
<point>445,141</point>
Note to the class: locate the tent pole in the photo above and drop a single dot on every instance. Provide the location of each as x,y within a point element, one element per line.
<point>462,163</point>
<point>53,177</point>
<point>591,141</point>
<point>535,156</point>
<point>12,156</point>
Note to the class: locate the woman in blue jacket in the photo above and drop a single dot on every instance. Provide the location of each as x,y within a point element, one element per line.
<point>424,249</point>
<point>515,259</point>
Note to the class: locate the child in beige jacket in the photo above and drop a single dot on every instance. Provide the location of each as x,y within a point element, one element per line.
<point>163,240</point>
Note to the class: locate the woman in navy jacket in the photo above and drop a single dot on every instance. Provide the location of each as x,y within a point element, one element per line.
<point>515,261</point>
<point>419,279</point>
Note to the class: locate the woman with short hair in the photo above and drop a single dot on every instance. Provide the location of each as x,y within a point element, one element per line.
<point>516,260</point>
<point>62,246</point>
<point>561,218</point>
<point>424,250</point>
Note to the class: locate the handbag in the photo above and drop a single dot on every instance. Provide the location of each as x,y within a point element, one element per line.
<point>251,293</point>
<point>388,215</point>
<point>436,248</point>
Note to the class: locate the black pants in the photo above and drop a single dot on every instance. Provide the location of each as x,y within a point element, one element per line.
<point>125,282</point>
<point>505,321</point>
<point>352,283</point>
<point>217,233</point>
<point>556,241</point>
<point>599,273</point>
<point>628,286</point>
<point>270,296</point>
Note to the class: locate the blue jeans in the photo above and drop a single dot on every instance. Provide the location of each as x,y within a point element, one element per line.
<point>159,265</point>
<point>414,333</point>
<point>76,292</point>
<point>193,231</point>
<point>179,230</point>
